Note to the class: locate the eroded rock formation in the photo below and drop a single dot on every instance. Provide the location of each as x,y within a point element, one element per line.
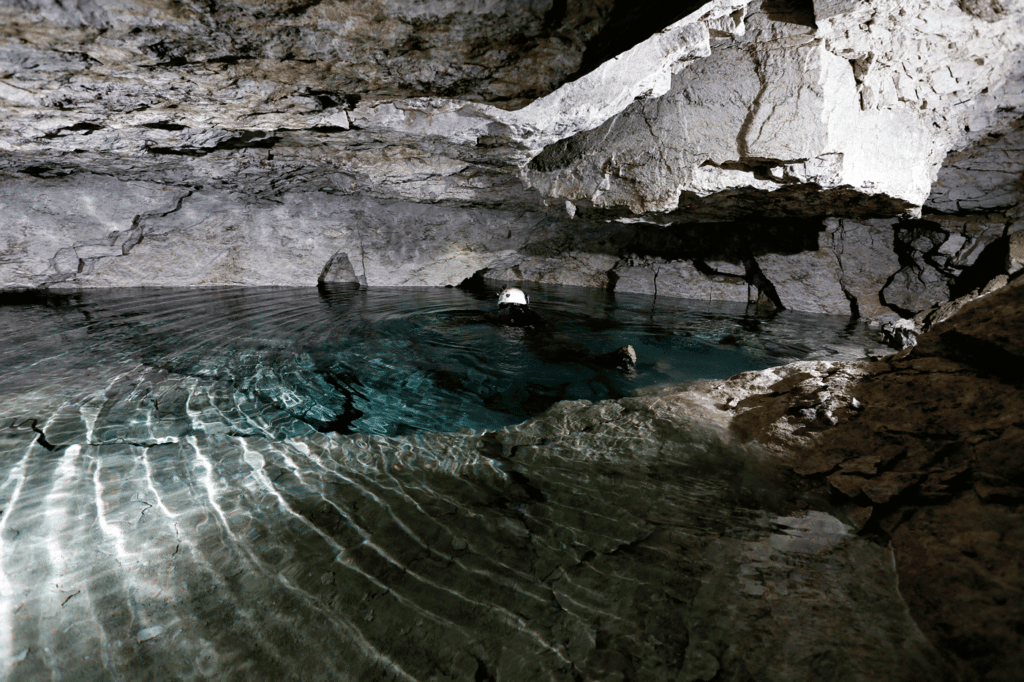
<point>826,156</point>
<point>924,450</point>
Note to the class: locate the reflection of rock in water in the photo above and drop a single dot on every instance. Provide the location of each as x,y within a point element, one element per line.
<point>173,528</point>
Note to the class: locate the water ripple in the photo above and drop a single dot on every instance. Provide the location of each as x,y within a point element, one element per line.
<point>167,515</point>
<point>396,361</point>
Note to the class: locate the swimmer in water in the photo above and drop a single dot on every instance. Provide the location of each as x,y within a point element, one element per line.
<point>514,311</point>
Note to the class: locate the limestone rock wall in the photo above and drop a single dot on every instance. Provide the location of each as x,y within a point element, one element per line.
<point>90,230</point>
<point>862,96</point>
<point>423,144</point>
<point>96,236</point>
<point>922,448</point>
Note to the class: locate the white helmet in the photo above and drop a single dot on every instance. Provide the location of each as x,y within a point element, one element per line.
<point>513,295</point>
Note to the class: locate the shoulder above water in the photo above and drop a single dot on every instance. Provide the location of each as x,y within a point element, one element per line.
<point>515,315</point>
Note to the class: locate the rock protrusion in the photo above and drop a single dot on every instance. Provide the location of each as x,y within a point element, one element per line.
<point>338,270</point>
<point>923,452</point>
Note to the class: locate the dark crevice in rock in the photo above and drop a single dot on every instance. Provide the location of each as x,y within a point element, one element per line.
<point>83,127</point>
<point>912,241</point>
<point>170,63</point>
<point>165,125</point>
<point>482,673</point>
<point>902,312</point>
<point>136,231</point>
<point>329,99</point>
<point>254,139</point>
<point>850,296</point>
<point>757,278</point>
<point>701,265</point>
<point>990,262</point>
<point>759,168</point>
<point>301,8</point>
<point>44,172</point>
<point>755,105</point>
<point>854,306</point>
<point>799,12</point>
<point>917,240</point>
<point>631,22</point>
<point>556,15</point>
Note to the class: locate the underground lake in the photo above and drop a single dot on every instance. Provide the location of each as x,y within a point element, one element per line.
<point>380,484</point>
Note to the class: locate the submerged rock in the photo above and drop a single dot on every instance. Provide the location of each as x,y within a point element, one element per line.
<point>613,539</point>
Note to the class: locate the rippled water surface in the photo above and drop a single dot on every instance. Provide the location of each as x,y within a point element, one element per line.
<point>394,361</point>
<point>288,484</point>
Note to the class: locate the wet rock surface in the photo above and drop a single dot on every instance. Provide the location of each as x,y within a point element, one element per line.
<point>924,449</point>
<point>181,529</point>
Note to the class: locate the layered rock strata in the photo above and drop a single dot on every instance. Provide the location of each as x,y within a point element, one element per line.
<point>608,129</point>
<point>924,450</point>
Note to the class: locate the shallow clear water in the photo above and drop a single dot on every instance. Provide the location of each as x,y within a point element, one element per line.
<point>396,361</point>
<point>177,500</point>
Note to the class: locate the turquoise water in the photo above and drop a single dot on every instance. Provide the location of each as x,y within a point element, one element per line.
<point>397,361</point>
<point>179,501</point>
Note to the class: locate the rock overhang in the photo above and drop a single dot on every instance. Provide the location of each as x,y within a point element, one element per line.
<point>733,111</point>
<point>733,97</point>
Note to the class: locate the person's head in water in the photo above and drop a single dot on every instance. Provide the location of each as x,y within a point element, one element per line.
<point>512,296</point>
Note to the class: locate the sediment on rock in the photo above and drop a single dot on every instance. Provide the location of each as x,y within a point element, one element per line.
<point>923,449</point>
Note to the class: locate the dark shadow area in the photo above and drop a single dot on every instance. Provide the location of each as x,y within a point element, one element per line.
<point>788,202</point>
<point>631,23</point>
<point>44,172</point>
<point>251,139</point>
<point>733,241</point>
<point>991,262</point>
<point>799,12</point>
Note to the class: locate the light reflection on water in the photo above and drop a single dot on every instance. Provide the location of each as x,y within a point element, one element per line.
<point>174,505</point>
<point>395,361</point>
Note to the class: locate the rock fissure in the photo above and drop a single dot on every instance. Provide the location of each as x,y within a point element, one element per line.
<point>41,439</point>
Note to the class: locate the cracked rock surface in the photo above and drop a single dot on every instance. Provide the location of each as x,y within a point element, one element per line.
<point>613,132</point>
<point>923,447</point>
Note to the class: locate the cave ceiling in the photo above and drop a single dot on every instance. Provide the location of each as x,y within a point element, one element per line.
<point>632,112</point>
